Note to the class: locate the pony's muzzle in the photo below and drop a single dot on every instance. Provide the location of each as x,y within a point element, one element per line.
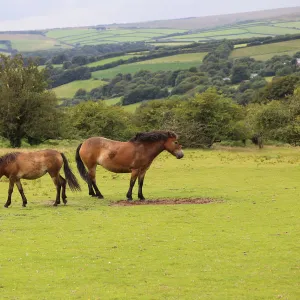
<point>179,154</point>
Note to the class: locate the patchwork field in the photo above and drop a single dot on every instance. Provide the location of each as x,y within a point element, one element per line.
<point>71,37</point>
<point>243,247</point>
<point>267,51</point>
<point>68,90</point>
<point>31,42</point>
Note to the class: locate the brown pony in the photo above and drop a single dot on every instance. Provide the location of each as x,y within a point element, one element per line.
<point>134,156</point>
<point>33,165</point>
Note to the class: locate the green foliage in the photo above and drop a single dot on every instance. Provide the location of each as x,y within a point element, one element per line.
<point>239,73</point>
<point>27,108</point>
<point>96,119</point>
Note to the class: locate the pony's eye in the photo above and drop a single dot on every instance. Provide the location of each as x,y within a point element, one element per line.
<point>176,142</point>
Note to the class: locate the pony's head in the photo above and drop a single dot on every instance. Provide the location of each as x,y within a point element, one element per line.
<point>172,145</point>
<point>5,160</point>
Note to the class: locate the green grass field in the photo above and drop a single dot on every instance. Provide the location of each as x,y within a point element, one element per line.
<point>245,247</point>
<point>109,60</point>
<point>175,62</point>
<point>68,90</point>
<point>112,101</point>
<point>267,51</point>
<point>180,58</point>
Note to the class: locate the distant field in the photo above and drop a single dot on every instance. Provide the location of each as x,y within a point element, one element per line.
<point>289,24</point>
<point>61,33</point>
<point>68,90</point>
<point>272,30</point>
<point>112,101</point>
<point>70,37</point>
<point>31,42</point>
<point>167,44</point>
<point>267,51</point>
<point>133,68</point>
<point>180,58</point>
<point>93,36</point>
<point>109,60</point>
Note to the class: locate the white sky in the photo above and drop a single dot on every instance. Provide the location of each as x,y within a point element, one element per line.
<point>42,14</point>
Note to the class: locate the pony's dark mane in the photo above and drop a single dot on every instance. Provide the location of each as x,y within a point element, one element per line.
<point>153,136</point>
<point>8,158</point>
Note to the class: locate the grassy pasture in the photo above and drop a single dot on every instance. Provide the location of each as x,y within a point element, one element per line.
<point>68,90</point>
<point>61,33</point>
<point>135,67</point>
<point>112,101</point>
<point>272,30</point>
<point>189,57</point>
<point>245,247</point>
<point>173,62</point>
<point>109,60</point>
<point>288,24</point>
<point>267,51</point>
<point>31,42</point>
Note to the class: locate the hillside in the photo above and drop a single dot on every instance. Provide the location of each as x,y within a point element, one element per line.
<point>163,32</point>
<point>289,13</point>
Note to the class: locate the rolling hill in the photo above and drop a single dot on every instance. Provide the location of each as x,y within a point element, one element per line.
<point>164,32</point>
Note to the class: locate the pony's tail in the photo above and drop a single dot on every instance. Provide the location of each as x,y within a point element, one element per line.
<point>80,166</point>
<point>70,177</point>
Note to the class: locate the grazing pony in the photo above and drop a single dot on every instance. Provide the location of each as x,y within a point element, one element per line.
<point>33,165</point>
<point>134,156</point>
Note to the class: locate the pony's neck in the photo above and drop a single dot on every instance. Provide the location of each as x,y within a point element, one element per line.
<point>156,149</point>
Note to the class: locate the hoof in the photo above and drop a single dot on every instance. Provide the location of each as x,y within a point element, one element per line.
<point>65,202</point>
<point>142,199</point>
<point>129,199</point>
<point>100,197</point>
<point>55,204</point>
<point>6,205</point>
<point>24,205</point>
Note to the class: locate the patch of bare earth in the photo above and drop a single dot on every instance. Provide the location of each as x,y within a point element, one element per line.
<point>164,202</point>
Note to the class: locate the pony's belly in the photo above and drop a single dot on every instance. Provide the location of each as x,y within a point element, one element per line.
<point>116,168</point>
<point>33,175</point>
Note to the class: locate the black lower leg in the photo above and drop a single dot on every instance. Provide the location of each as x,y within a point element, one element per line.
<point>21,191</point>
<point>98,193</point>
<point>10,191</point>
<point>58,189</point>
<point>131,185</point>
<point>63,193</point>
<point>140,193</point>
<point>91,191</point>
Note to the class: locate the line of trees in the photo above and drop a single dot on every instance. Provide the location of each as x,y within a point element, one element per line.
<point>30,112</point>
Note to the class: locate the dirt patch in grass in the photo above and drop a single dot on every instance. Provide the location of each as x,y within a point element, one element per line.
<point>165,202</point>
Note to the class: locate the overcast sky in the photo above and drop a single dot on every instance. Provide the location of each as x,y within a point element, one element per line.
<point>39,14</point>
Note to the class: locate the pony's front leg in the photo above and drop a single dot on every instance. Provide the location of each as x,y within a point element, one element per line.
<point>20,188</point>
<point>10,191</point>
<point>133,178</point>
<point>141,182</point>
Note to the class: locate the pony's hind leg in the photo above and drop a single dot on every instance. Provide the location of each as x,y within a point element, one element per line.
<point>56,180</point>
<point>63,192</point>
<point>92,184</point>
<point>21,191</point>
<point>10,191</point>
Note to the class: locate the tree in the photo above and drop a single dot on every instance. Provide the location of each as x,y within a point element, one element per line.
<point>95,118</point>
<point>239,73</point>
<point>27,108</point>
